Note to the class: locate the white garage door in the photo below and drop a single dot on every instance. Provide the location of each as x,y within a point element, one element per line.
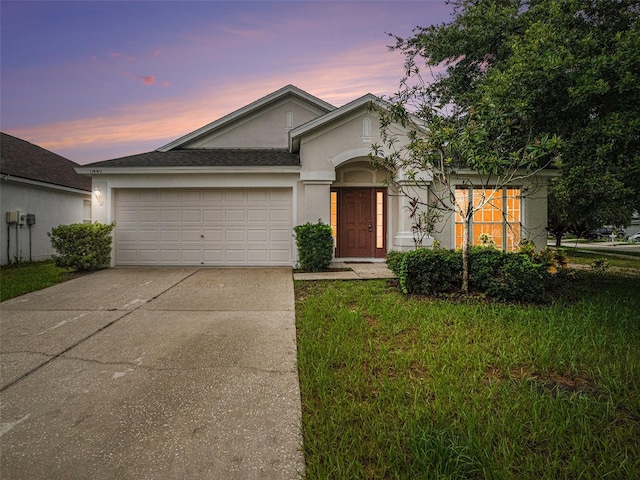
<point>203,227</point>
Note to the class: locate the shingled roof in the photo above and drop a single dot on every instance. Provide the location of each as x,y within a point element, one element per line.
<point>215,157</point>
<point>19,158</point>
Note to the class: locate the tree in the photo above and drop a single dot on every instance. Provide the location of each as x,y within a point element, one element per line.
<point>469,149</point>
<point>572,65</point>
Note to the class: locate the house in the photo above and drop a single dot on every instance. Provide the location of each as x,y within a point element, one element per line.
<point>39,191</point>
<point>231,192</point>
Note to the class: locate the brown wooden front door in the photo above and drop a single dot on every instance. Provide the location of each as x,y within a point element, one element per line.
<point>360,228</point>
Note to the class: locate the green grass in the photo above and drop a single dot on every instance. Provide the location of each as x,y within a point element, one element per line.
<point>614,259</point>
<point>18,279</point>
<point>402,388</point>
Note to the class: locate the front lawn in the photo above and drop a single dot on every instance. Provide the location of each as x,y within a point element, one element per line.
<point>18,279</point>
<point>401,387</point>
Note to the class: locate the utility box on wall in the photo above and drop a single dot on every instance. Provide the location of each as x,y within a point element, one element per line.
<point>12,217</point>
<point>19,218</point>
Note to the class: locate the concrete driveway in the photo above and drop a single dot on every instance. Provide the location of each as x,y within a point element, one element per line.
<point>152,373</point>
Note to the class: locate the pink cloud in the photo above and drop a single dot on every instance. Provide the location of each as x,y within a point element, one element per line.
<point>148,80</point>
<point>166,84</point>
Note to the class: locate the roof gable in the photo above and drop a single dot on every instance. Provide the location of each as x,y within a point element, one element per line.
<point>244,112</point>
<point>359,103</point>
<point>20,158</point>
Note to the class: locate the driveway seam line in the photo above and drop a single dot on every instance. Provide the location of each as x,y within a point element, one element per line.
<point>25,375</point>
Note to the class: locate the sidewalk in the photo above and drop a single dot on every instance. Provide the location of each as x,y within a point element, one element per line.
<point>357,271</point>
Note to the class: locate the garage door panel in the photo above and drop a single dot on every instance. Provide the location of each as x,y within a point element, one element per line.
<point>148,236</point>
<point>279,256</point>
<point>169,236</point>
<point>148,196</point>
<point>170,196</point>
<point>191,215</point>
<point>258,236</point>
<point>235,256</point>
<point>127,214</point>
<point>148,216</point>
<point>191,256</point>
<point>280,236</point>
<point>235,196</point>
<point>148,256</point>
<point>213,256</point>
<point>235,236</point>
<point>189,197</point>
<point>213,196</point>
<point>259,256</point>
<point>203,227</point>
<point>191,235</point>
<point>213,235</point>
<point>235,215</point>
<point>213,215</point>
<point>258,196</point>
<point>170,216</point>
<point>280,216</point>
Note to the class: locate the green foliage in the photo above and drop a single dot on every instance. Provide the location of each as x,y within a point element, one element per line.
<point>571,67</point>
<point>506,276</point>
<point>315,245</point>
<point>394,261</point>
<point>425,272</point>
<point>518,279</point>
<point>82,246</point>
<point>600,265</point>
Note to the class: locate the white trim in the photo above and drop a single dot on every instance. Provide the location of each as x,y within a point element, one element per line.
<point>349,155</point>
<point>52,186</point>
<point>322,177</point>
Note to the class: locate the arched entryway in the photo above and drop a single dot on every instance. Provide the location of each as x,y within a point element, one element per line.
<point>359,211</point>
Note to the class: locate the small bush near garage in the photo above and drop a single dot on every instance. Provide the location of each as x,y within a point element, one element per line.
<point>315,246</point>
<point>82,246</point>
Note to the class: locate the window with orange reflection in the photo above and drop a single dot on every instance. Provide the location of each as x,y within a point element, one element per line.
<point>498,214</point>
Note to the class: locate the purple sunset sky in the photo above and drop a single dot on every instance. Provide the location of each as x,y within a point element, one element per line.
<point>93,80</point>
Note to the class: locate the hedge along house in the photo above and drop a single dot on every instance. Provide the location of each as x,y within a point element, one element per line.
<point>230,193</point>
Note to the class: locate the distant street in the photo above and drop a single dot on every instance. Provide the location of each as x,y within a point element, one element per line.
<point>620,246</point>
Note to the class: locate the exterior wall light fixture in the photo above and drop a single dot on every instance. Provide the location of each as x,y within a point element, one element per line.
<point>98,194</point>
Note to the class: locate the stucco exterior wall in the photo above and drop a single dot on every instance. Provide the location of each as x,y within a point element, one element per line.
<point>341,141</point>
<point>51,207</point>
<point>267,130</point>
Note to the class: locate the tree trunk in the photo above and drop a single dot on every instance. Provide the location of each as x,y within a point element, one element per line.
<point>559,240</point>
<point>465,254</point>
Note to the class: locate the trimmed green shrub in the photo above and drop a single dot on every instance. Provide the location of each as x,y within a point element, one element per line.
<point>394,261</point>
<point>315,245</point>
<point>425,272</point>
<point>82,246</point>
<point>518,279</point>
<point>502,275</point>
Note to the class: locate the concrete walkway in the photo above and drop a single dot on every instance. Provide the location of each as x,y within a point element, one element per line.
<point>352,271</point>
<point>152,373</point>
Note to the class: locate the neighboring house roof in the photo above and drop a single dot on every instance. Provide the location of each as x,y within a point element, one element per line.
<point>19,158</point>
<point>244,111</point>
<point>215,157</point>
